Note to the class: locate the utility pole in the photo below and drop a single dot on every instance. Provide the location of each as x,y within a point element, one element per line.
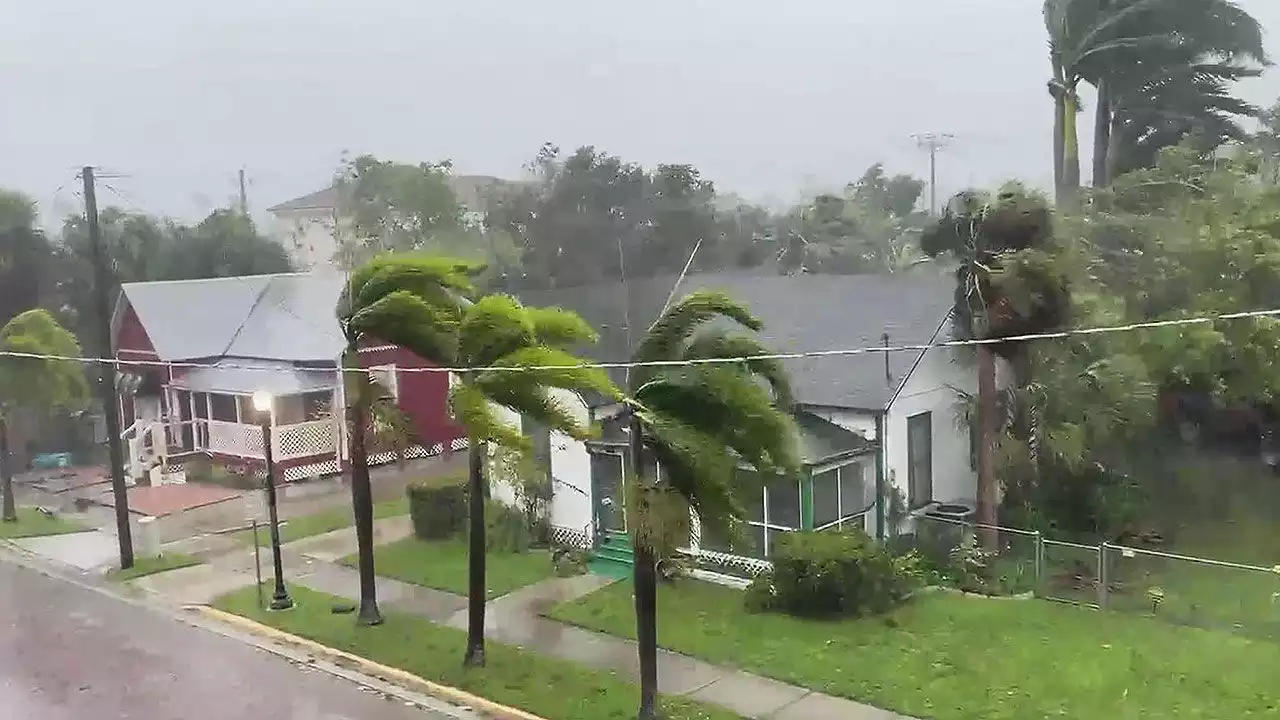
<point>932,143</point>
<point>244,196</point>
<point>107,373</point>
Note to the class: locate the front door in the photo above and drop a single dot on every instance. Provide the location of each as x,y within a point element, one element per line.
<point>607,473</point>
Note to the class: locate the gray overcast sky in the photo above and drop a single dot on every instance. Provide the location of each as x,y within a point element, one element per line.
<point>767,98</point>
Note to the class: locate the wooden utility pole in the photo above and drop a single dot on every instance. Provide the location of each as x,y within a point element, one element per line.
<point>107,372</point>
<point>244,196</point>
<point>932,143</point>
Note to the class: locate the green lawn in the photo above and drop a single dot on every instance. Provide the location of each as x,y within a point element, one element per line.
<point>151,565</point>
<point>32,523</point>
<point>443,565</point>
<point>322,522</point>
<point>958,658</point>
<point>554,689</point>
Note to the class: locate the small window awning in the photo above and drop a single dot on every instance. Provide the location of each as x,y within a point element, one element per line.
<point>245,377</point>
<point>822,441</point>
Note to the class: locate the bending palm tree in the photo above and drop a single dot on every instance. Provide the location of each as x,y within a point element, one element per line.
<point>520,356</point>
<point>403,299</point>
<point>699,422</point>
<point>516,356</point>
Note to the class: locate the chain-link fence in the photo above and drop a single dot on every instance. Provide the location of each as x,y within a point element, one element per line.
<point>1182,589</point>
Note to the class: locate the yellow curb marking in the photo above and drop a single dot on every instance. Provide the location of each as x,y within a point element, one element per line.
<point>369,667</point>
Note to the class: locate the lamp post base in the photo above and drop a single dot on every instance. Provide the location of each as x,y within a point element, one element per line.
<point>281,601</point>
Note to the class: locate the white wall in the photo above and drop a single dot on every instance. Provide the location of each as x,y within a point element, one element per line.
<point>936,386</point>
<point>571,503</point>
<point>863,423</point>
<point>308,236</point>
<point>570,470</point>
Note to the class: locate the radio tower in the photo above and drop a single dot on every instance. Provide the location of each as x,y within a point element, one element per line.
<point>932,143</point>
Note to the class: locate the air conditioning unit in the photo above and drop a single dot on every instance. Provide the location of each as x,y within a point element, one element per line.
<point>956,511</point>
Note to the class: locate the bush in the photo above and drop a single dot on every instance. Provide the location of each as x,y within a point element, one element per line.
<point>569,562</point>
<point>438,507</point>
<point>759,596</point>
<point>837,574</point>
<point>506,529</point>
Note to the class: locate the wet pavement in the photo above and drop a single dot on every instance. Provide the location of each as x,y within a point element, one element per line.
<point>69,652</point>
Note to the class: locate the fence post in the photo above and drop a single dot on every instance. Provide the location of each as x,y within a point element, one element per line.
<point>1038,563</point>
<point>1103,589</point>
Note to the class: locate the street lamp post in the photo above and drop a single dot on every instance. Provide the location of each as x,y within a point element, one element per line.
<point>263,402</point>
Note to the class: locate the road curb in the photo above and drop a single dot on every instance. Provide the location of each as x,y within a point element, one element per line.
<point>369,667</point>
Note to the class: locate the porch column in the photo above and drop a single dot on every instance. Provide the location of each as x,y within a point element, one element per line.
<point>339,412</point>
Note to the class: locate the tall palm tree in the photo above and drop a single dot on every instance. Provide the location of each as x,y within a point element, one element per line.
<point>698,422</point>
<point>515,358</point>
<point>1006,285</point>
<point>400,299</point>
<point>1099,42</point>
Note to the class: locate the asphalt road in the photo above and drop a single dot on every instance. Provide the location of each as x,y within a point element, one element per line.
<point>70,653</point>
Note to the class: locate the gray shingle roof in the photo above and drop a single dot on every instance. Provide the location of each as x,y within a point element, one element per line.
<point>288,317</point>
<point>800,313</point>
<point>474,192</point>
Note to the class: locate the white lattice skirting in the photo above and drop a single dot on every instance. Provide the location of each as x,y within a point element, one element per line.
<point>569,537</point>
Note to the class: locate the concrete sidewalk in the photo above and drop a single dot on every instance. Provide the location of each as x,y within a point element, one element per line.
<point>514,619</point>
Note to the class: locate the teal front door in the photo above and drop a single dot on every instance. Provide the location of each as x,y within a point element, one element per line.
<point>607,473</point>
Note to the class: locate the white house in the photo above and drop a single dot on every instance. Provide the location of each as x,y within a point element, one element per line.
<point>884,435</point>
<point>309,226</point>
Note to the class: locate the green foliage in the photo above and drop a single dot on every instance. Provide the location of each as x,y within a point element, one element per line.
<point>36,383</point>
<point>438,509</point>
<point>832,575</point>
<point>27,272</point>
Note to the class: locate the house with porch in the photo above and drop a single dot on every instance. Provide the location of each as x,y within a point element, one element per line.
<point>885,436</point>
<point>194,352</point>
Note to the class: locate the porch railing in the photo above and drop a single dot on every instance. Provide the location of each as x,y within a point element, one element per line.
<point>306,439</point>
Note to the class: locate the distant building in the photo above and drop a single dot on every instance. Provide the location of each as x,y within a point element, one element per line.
<point>309,226</point>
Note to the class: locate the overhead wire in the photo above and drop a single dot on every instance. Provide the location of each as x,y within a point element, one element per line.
<point>798,355</point>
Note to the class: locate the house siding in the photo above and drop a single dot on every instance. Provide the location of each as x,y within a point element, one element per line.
<point>938,386</point>
<point>307,235</point>
<point>423,396</point>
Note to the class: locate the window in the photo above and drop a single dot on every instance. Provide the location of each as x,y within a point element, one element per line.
<point>385,377</point>
<point>840,497</point>
<point>768,515</point>
<point>222,407</point>
<point>920,460</point>
<point>540,436</point>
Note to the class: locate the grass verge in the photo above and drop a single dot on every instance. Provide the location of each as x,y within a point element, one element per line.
<point>143,566</point>
<point>950,657</point>
<point>442,565</point>
<point>305,526</point>
<point>554,689</point>
<point>33,523</point>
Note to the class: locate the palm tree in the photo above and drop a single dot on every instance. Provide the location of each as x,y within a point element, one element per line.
<point>402,299</point>
<point>515,357</point>
<point>1107,42</point>
<point>698,422</point>
<point>1007,285</point>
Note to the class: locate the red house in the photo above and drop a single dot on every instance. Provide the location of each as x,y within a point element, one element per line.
<point>194,352</point>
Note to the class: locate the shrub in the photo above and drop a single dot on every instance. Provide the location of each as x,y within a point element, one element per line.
<point>759,596</point>
<point>569,562</point>
<point>506,529</point>
<point>438,507</point>
<point>838,574</point>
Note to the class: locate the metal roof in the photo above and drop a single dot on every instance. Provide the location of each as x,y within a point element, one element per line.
<point>247,376</point>
<point>287,317</point>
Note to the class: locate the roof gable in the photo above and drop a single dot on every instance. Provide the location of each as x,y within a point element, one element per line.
<point>801,313</point>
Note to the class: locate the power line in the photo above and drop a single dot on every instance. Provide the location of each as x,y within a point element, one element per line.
<point>840,352</point>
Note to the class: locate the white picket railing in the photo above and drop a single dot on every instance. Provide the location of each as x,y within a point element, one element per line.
<point>288,442</point>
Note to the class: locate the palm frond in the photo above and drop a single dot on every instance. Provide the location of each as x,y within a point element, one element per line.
<point>695,465</point>
<point>730,406</point>
<point>560,328</point>
<point>716,343</point>
<point>405,319</point>
<point>437,280</point>
<point>493,327</point>
<point>549,367</point>
<point>473,411</point>
<point>666,338</point>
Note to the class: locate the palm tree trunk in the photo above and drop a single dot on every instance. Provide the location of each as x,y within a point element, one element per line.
<point>1059,103</point>
<point>1070,148</point>
<point>1115,137</point>
<point>988,492</point>
<point>10,513</point>
<point>645,585</point>
<point>475,556</point>
<point>1101,135</point>
<point>362,509</point>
